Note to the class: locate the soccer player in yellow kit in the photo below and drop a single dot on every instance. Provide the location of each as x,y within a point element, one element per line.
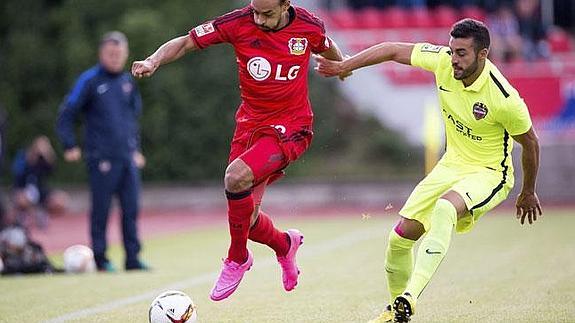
<point>482,113</point>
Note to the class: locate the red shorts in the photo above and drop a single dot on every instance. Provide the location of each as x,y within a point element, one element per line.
<point>267,150</point>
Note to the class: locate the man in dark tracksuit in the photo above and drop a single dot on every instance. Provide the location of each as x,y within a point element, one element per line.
<point>110,102</point>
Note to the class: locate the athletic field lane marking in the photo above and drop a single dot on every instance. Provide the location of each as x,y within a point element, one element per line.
<point>323,247</point>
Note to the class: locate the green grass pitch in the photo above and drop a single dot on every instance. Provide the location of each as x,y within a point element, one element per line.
<point>500,272</point>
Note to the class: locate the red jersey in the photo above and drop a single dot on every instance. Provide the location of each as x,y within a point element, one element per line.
<point>272,65</point>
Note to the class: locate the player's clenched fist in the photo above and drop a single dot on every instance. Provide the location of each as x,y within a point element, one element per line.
<point>143,68</point>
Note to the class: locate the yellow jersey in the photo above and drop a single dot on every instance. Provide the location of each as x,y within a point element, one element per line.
<point>479,119</point>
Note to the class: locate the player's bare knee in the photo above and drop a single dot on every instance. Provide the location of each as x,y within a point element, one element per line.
<point>457,201</point>
<point>238,177</point>
<point>232,183</point>
<point>409,228</point>
<point>236,182</point>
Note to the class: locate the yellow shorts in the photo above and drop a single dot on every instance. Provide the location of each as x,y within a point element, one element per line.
<point>481,188</point>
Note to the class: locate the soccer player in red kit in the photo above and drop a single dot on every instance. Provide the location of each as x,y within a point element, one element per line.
<point>273,41</point>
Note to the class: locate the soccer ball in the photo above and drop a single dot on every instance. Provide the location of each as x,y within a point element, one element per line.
<point>172,307</point>
<point>79,259</point>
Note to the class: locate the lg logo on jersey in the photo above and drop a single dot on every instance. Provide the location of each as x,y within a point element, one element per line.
<point>261,69</point>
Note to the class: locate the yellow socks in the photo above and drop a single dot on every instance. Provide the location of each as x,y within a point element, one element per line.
<point>398,263</point>
<point>433,246</point>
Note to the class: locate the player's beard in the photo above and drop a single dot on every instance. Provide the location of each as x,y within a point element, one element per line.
<point>466,72</point>
<point>274,28</point>
<point>265,28</point>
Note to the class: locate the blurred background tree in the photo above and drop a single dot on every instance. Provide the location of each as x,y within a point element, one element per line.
<point>189,106</point>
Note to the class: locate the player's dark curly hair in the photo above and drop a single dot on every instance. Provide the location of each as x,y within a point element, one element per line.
<point>475,29</point>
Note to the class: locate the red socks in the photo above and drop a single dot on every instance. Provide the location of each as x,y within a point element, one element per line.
<point>240,209</point>
<point>264,232</point>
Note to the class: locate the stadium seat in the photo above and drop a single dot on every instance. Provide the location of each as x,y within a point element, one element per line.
<point>395,17</point>
<point>343,19</point>
<point>370,18</point>
<point>438,36</point>
<point>402,75</point>
<point>541,93</point>
<point>420,18</point>
<point>325,16</point>
<point>473,12</point>
<point>568,62</point>
<point>559,41</point>
<point>444,16</point>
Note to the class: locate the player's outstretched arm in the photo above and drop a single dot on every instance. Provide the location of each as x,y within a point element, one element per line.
<point>168,52</point>
<point>527,202</point>
<point>397,52</point>
<point>335,54</point>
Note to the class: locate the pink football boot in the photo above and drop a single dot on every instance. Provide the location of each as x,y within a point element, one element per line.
<point>290,271</point>
<point>230,278</point>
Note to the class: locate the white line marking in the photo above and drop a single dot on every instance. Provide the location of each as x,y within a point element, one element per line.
<point>321,248</point>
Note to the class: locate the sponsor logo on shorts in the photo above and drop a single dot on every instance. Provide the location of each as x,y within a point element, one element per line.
<point>429,252</point>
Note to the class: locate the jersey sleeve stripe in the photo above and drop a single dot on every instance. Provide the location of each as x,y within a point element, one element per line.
<point>501,88</point>
<point>195,39</point>
<point>307,17</point>
<point>236,14</point>
<point>505,169</point>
